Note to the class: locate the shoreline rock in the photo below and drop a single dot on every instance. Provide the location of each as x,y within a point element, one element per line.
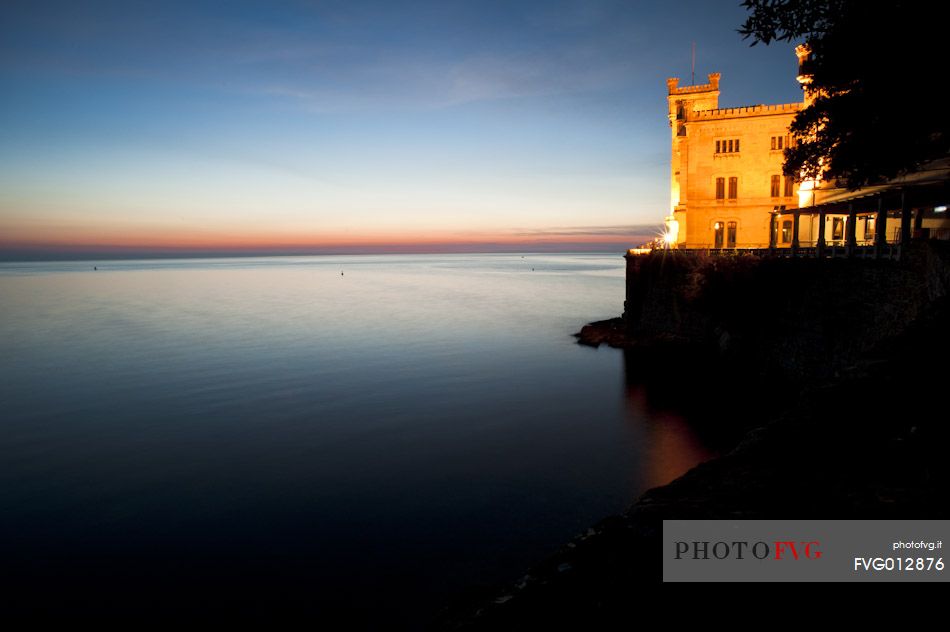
<point>612,332</point>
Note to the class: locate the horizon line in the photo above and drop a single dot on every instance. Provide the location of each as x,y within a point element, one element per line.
<point>39,253</point>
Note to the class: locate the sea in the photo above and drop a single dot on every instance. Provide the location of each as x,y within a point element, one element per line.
<point>374,437</point>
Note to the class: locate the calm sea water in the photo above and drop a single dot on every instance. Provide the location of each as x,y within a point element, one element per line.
<point>373,435</point>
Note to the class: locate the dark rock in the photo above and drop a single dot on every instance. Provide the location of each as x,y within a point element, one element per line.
<point>611,332</point>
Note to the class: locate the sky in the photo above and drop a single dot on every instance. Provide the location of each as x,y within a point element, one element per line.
<point>302,126</point>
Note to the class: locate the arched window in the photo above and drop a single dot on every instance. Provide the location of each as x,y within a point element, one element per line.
<point>787,232</point>
<point>837,228</point>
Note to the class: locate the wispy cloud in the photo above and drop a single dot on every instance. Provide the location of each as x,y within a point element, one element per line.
<point>627,230</point>
<point>424,82</point>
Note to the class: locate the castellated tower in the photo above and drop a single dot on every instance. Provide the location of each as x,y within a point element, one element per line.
<point>804,78</point>
<point>682,101</point>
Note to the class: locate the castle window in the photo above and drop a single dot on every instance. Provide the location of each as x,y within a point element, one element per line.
<point>717,234</point>
<point>720,188</point>
<point>731,235</point>
<point>733,188</point>
<point>778,142</point>
<point>837,228</point>
<point>775,185</point>
<point>786,232</point>
<point>789,186</point>
<point>728,146</point>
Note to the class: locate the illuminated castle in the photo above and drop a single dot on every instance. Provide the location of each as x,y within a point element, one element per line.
<point>726,170</point>
<point>727,190</point>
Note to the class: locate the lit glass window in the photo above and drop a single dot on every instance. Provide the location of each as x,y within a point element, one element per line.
<point>786,232</point>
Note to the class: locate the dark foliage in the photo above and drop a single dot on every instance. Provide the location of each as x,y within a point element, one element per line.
<point>879,70</point>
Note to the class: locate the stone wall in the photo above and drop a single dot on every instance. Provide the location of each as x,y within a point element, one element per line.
<point>784,318</point>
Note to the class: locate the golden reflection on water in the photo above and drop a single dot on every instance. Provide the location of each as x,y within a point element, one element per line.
<point>670,445</point>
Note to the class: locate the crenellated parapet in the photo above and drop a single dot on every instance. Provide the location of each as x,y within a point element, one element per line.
<point>738,112</point>
<point>672,85</point>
